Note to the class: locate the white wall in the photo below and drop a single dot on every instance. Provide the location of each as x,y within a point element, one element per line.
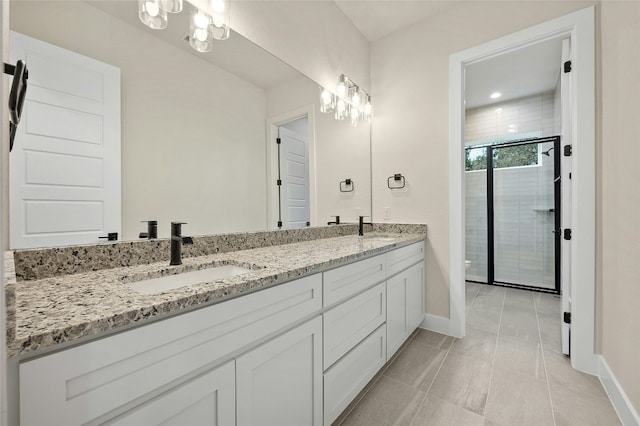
<point>314,37</point>
<point>529,117</point>
<point>619,202</point>
<point>411,132</point>
<point>192,134</point>
<point>340,149</point>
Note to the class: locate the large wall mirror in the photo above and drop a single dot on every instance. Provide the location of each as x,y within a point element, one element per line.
<point>197,133</point>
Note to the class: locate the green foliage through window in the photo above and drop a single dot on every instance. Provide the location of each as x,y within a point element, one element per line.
<point>509,156</point>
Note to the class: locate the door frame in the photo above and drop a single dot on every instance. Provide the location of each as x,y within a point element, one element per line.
<point>273,123</point>
<point>579,26</point>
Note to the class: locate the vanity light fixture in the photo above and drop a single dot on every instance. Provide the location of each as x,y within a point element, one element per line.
<point>350,101</point>
<point>203,27</point>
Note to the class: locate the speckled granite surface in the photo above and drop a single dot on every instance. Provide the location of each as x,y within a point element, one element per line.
<point>52,262</point>
<point>60,309</point>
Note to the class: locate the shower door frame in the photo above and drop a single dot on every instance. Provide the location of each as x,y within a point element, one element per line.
<point>557,201</point>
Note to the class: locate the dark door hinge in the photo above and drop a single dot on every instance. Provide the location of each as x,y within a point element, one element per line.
<point>566,317</point>
<point>278,141</point>
<point>279,224</point>
<point>279,182</point>
<point>568,150</point>
<point>308,223</point>
<point>567,66</point>
<point>567,234</point>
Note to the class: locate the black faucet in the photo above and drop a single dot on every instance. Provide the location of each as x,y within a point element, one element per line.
<point>152,230</point>
<point>176,242</point>
<point>361,224</point>
<point>337,221</point>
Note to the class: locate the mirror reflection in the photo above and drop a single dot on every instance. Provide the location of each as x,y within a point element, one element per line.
<point>117,111</point>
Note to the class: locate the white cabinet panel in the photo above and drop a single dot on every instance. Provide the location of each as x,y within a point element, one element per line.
<point>80,384</point>
<point>415,296</point>
<point>209,399</point>
<point>348,323</point>
<point>405,305</point>
<point>350,375</point>
<point>280,382</point>
<point>400,259</point>
<point>345,281</point>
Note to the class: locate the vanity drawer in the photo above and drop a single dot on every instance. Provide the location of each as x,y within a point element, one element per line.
<point>79,384</point>
<point>350,375</point>
<point>343,282</point>
<point>347,324</point>
<point>400,259</point>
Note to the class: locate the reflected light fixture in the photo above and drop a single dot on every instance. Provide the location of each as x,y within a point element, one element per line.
<point>495,95</point>
<point>200,34</point>
<point>204,25</point>
<point>350,101</point>
<point>152,13</point>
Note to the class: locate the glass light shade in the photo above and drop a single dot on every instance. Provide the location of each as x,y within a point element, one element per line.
<point>221,19</point>
<point>354,114</point>
<point>368,108</point>
<point>152,13</point>
<point>200,35</point>
<point>355,97</point>
<point>341,109</point>
<point>342,87</point>
<point>327,102</point>
<point>173,6</point>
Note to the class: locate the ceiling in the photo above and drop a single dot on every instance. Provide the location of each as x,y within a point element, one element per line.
<point>378,18</point>
<point>524,72</point>
<point>236,55</point>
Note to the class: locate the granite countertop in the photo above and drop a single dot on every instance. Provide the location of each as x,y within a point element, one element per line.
<point>50,311</point>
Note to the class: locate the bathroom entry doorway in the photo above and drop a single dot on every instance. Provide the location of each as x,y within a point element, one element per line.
<point>513,214</point>
<point>293,171</point>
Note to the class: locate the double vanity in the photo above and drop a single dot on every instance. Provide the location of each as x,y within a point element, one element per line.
<point>271,328</point>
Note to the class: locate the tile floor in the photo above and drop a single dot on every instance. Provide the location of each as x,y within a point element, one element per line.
<point>507,370</point>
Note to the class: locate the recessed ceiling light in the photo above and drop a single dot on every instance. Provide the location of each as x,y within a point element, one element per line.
<point>495,95</point>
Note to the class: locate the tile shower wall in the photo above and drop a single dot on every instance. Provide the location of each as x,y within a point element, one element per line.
<point>524,249</point>
<point>533,116</point>
<point>523,225</point>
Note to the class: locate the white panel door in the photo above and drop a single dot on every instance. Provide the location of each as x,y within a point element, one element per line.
<point>65,164</point>
<point>294,167</point>
<point>280,382</point>
<point>207,400</point>
<point>565,171</point>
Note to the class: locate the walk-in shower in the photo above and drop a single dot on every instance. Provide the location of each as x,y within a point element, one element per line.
<point>512,196</point>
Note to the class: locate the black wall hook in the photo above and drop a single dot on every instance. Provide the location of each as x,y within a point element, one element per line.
<point>346,184</point>
<point>399,181</point>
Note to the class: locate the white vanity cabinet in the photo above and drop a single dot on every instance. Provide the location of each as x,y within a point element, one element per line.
<point>293,354</point>
<point>405,305</point>
<point>209,399</point>
<point>280,383</point>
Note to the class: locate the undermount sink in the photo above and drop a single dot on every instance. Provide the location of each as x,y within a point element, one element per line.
<point>170,282</point>
<point>379,238</point>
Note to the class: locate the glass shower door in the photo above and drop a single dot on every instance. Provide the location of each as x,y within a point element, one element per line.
<point>525,195</point>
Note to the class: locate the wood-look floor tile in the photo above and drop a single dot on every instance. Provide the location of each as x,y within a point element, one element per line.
<point>434,339</point>
<point>521,356</point>
<point>579,409</point>
<point>559,371</point>
<point>389,402</point>
<point>463,381</point>
<point>518,399</point>
<point>477,344</point>
<point>417,365</point>
<point>438,412</point>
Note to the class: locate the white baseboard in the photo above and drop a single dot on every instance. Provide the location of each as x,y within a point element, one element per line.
<point>626,412</point>
<point>437,324</point>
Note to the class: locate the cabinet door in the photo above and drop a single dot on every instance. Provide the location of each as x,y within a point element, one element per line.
<point>396,314</point>
<point>405,305</point>
<point>280,382</point>
<point>415,296</point>
<point>207,400</point>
